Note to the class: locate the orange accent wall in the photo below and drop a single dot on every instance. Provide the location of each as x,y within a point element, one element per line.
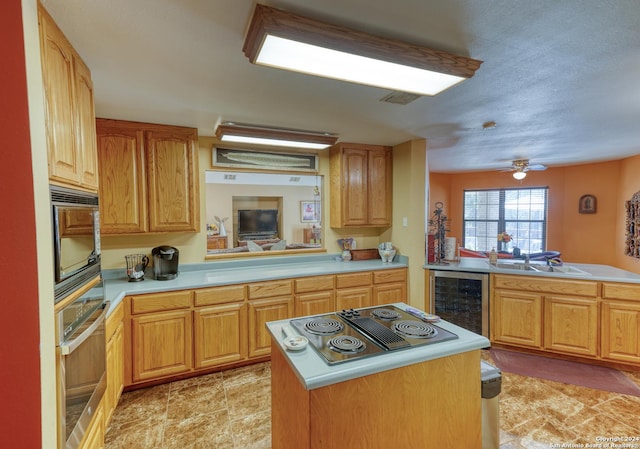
<point>20,422</point>
<point>581,238</point>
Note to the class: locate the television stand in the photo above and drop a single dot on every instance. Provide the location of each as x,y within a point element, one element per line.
<point>268,236</point>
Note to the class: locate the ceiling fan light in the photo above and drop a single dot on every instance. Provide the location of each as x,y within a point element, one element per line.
<point>519,175</point>
<point>284,40</point>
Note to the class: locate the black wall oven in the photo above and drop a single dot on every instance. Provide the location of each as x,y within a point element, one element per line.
<point>76,239</point>
<point>81,352</point>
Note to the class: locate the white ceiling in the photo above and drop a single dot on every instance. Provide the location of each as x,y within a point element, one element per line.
<point>560,77</point>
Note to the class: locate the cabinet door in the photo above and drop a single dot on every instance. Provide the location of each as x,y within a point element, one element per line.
<point>220,334</point>
<point>517,318</point>
<point>115,372</point>
<point>353,298</point>
<point>354,187</point>
<point>59,90</point>
<point>379,187</point>
<point>161,344</point>
<point>571,325</point>
<point>389,293</point>
<point>86,125</point>
<point>621,331</point>
<point>172,179</point>
<point>123,192</point>
<point>261,312</point>
<point>360,185</point>
<point>314,303</point>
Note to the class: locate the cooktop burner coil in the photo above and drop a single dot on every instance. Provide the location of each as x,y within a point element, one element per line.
<point>415,329</point>
<point>385,314</point>
<point>324,326</point>
<point>346,344</point>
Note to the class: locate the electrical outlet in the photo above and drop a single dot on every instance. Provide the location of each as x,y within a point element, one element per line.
<point>405,221</point>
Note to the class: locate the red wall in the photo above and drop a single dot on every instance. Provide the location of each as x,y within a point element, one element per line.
<point>20,422</point>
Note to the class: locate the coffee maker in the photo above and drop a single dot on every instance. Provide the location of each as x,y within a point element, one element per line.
<point>165,262</point>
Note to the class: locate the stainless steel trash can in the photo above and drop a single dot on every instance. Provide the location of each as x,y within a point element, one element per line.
<point>491,379</point>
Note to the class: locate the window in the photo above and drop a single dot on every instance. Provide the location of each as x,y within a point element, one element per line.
<point>521,213</point>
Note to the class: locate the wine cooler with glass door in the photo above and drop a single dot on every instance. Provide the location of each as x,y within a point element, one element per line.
<point>462,298</point>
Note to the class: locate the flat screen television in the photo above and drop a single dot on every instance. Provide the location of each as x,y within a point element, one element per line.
<point>258,221</point>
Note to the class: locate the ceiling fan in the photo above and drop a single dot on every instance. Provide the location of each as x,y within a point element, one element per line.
<point>520,167</point>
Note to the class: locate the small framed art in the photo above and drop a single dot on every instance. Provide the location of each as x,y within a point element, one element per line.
<point>309,212</point>
<point>587,204</point>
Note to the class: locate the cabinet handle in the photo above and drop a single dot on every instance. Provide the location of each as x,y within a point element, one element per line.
<point>68,347</point>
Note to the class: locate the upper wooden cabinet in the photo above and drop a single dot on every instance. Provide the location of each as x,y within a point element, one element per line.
<point>360,185</point>
<point>148,178</point>
<point>69,110</point>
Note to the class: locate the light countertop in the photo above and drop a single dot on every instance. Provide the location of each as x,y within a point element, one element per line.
<point>211,274</point>
<point>313,372</point>
<point>594,272</point>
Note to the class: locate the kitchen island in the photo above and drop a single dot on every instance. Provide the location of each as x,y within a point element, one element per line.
<point>424,396</point>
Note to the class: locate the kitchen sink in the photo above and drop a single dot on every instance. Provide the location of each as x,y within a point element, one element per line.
<point>563,269</point>
<point>541,268</point>
<point>516,266</point>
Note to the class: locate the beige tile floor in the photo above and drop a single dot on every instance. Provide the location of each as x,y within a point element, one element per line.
<point>231,410</point>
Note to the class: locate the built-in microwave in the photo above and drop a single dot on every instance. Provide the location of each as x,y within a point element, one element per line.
<point>76,239</point>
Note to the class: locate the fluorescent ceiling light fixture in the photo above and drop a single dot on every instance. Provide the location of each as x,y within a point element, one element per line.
<point>274,137</point>
<point>283,40</point>
<point>519,175</point>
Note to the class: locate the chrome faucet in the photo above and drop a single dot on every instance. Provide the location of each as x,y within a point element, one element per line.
<point>526,260</point>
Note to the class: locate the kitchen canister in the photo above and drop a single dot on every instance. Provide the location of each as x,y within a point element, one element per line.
<point>450,248</point>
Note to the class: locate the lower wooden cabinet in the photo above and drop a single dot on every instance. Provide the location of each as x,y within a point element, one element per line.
<point>621,331</point>
<point>571,325</point>
<point>115,371</point>
<point>179,332</point>
<point>114,331</point>
<point>517,318</point>
<point>260,312</point>
<point>353,298</point>
<point>389,286</point>
<point>220,334</point>
<point>314,303</point>
<point>162,344</point>
<point>555,315</point>
<point>353,290</point>
<point>314,295</point>
<point>581,318</point>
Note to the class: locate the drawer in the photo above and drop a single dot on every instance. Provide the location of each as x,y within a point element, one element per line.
<point>612,290</point>
<point>385,276</point>
<point>543,285</point>
<point>313,284</point>
<point>219,295</point>
<point>269,289</point>
<point>353,280</point>
<point>158,302</point>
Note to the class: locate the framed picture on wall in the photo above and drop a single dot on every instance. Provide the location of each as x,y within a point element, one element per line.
<point>587,204</point>
<point>309,212</point>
